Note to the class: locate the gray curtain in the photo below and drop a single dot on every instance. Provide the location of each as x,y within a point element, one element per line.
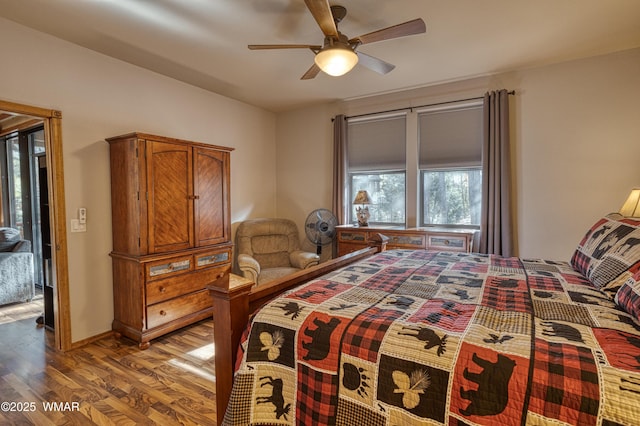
<point>496,224</point>
<point>339,167</point>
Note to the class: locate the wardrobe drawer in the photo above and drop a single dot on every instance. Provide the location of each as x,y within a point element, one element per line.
<point>213,258</point>
<point>168,267</point>
<point>164,312</point>
<point>168,288</point>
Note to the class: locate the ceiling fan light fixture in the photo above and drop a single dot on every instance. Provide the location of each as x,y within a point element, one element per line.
<point>336,60</point>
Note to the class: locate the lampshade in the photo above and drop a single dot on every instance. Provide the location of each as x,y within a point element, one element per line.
<point>631,207</point>
<point>362,197</point>
<point>336,60</point>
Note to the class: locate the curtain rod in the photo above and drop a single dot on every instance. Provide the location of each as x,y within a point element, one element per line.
<point>511,92</point>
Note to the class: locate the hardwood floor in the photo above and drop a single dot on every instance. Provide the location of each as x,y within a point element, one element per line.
<point>107,382</point>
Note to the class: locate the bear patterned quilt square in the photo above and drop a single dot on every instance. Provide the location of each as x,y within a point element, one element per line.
<point>421,337</point>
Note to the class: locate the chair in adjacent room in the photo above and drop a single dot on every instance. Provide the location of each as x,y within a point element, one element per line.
<point>16,268</point>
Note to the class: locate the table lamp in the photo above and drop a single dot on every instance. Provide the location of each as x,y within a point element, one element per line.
<point>631,207</point>
<point>362,198</point>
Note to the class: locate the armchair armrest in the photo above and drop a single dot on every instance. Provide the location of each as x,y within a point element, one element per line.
<point>303,259</point>
<point>249,266</point>
<point>23,246</point>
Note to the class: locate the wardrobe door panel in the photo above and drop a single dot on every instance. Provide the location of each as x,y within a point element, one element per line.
<point>211,204</point>
<point>170,196</point>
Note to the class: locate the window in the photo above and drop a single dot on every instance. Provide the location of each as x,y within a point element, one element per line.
<point>451,197</point>
<point>450,162</point>
<point>387,191</point>
<point>12,184</point>
<point>443,184</point>
<point>377,163</point>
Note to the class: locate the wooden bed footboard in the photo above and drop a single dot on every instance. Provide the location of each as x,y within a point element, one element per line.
<point>235,299</point>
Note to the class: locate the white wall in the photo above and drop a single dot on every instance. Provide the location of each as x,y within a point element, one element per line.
<point>101,97</point>
<point>575,139</point>
<point>304,164</point>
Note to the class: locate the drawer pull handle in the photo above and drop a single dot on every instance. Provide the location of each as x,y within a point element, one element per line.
<point>162,289</point>
<point>163,313</point>
<point>221,275</point>
<point>446,242</point>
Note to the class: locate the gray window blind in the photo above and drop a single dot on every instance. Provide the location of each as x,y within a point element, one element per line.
<point>377,144</point>
<point>450,137</point>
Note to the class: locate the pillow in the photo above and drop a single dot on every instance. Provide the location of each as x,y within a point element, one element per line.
<point>610,247</point>
<point>9,234</point>
<point>628,297</point>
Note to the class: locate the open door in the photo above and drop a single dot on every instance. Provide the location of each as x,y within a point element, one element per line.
<point>54,170</point>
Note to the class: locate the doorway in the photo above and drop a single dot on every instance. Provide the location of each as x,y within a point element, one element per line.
<point>22,162</point>
<point>50,156</point>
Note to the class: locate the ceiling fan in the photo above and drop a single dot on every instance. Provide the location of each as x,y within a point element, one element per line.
<point>338,54</point>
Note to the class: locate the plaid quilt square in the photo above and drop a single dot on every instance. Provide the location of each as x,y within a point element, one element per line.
<point>239,408</point>
<point>565,383</point>
<point>422,255</point>
<point>509,282</point>
<point>468,266</point>
<point>392,278</point>
<point>537,282</point>
<point>431,270</point>
<point>446,314</point>
<point>318,291</point>
<point>351,413</point>
<point>459,278</point>
<point>551,311</point>
<point>506,262</point>
<point>506,300</point>
<point>486,386</point>
<point>317,341</point>
<point>317,397</point>
<point>576,279</point>
<point>621,349</point>
<point>364,335</point>
<point>504,321</point>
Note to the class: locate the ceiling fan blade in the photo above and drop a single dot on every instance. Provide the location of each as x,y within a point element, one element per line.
<point>311,72</point>
<point>321,11</point>
<point>283,46</point>
<point>415,26</point>
<point>374,64</point>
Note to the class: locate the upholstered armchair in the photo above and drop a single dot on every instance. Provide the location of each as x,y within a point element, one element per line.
<point>16,268</point>
<point>269,249</point>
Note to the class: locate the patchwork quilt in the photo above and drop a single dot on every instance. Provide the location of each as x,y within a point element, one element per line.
<point>419,337</point>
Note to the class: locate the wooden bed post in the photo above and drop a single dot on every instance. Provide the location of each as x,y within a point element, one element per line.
<point>230,312</point>
<point>379,241</point>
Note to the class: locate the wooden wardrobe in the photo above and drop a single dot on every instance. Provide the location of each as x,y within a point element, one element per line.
<point>171,232</point>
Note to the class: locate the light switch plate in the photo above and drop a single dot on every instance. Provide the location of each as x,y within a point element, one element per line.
<point>76,226</point>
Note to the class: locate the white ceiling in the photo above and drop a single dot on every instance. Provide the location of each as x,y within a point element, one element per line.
<point>204,42</point>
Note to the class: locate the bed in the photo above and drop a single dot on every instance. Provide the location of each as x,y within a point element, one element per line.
<point>422,337</point>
